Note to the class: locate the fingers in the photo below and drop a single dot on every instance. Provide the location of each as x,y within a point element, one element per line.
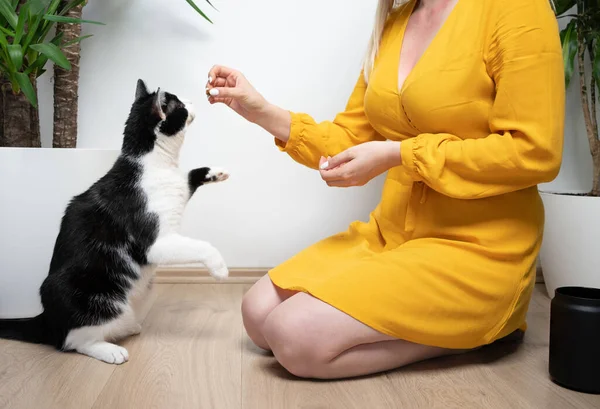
<point>222,85</point>
<point>225,92</point>
<point>337,174</point>
<point>339,171</point>
<point>219,71</point>
<point>334,168</point>
<point>219,82</point>
<point>216,83</point>
<point>338,160</point>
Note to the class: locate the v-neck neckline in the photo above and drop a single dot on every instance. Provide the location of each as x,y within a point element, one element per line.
<point>400,39</point>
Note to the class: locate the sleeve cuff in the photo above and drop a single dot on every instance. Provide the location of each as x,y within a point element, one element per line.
<point>296,130</point>
<point>409,160</point>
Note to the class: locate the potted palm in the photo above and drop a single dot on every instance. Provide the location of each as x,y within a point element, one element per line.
<point>37,183</point>
<point>569,254</point>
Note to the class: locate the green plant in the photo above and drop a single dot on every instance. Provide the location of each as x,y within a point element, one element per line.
<point>581,40</point>
<point>24,27</point>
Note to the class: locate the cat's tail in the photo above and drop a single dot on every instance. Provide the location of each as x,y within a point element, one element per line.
<point>30,330</point>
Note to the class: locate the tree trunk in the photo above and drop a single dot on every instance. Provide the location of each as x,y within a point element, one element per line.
<point>66,86</point>
<point>594,117</point>
<point>596,184</point>
<point>591,131</point>
<point>19,120</point>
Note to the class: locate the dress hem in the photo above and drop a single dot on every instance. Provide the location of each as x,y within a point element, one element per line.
<point>416,339</point>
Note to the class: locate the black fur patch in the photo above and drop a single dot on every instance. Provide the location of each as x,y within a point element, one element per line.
<point>175,122</point>
<point>197,178</point>
<point>139,136</point>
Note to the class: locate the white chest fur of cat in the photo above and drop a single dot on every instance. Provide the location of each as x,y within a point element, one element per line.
<point>166,190</point>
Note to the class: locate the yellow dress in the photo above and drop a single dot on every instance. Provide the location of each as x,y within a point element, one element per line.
<point>448,257</point>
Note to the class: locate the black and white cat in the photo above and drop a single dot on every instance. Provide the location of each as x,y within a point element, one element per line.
<point>114,235</point>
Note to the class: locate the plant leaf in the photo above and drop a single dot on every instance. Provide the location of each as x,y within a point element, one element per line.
<point>37,65</point>
<point>57,39</point>
<point>562,6</point>
<point>63,19</point>
<point>23,14</point>
<point>568,37</point>
<point>7,32</point>
<point>3,40</point>
<point>38,6</point>
<point>27,87</point>
<point>71,5</point>
<point>52,52</point>
<point>15,52</point>
<point>32,30</point>
<point>76,40</point>
<point>53,7</point>
<point>195,7</point>
<point>4,55</point>
<point>8,12</point>
<point>210,3</point>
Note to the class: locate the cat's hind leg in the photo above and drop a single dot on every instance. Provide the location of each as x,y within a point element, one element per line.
<point>202,176</point>
<point>93,340</point>
<point>140,298</point>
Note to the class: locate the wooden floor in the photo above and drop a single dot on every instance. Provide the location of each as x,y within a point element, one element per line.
<point>193,353</point>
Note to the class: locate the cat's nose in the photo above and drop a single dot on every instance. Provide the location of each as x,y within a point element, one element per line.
<point>191,113</point>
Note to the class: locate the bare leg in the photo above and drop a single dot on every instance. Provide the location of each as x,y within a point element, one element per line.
<point>315,340</point>
<point>177,249</point>
<point>257,304</point>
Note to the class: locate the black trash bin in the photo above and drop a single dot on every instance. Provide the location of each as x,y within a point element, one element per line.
<point>574,360</point>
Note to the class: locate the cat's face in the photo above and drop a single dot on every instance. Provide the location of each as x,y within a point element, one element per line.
<point>156,118</point>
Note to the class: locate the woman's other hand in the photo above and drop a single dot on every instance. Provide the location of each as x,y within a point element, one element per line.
<point>359,164</point>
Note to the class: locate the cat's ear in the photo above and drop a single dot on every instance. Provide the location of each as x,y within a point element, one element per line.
<point>141,90</point>
<point>159,100</point>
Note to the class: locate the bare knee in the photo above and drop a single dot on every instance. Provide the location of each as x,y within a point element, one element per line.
<point>254,313</point>
<point>291,343</point>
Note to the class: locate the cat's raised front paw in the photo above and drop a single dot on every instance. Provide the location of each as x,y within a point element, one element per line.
<point>217,175</point>
<point>217,267</point>
<point>221,272</point>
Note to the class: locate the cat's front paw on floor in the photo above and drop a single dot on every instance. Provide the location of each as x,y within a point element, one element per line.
<point>106,352</point>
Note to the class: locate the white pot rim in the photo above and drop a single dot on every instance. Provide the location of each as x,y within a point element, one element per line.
<point>59,149</point>
<point>568,193</point>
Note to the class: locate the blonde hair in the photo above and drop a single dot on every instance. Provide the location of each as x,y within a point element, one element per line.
<point>384,8</point>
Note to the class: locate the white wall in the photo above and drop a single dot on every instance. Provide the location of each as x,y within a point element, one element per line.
<point>302,55</point>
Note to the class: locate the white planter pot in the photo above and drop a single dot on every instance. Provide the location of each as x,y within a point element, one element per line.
<point>36,186</point>
<point>570,254</point>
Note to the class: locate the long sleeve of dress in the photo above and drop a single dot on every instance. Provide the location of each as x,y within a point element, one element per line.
<point>524,147</point>
<point>309,140</point>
